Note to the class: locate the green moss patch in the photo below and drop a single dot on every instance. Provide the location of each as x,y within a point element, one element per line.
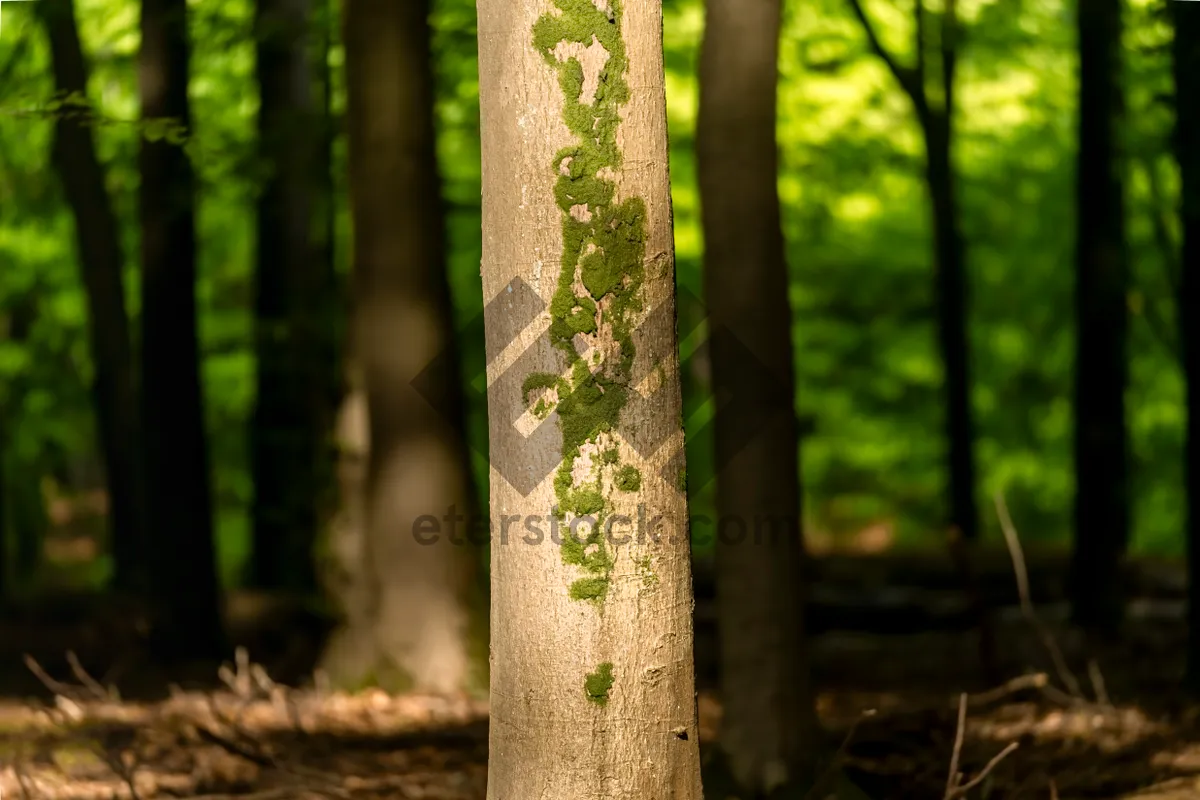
<point>599,683</point>
<point>603,252</point>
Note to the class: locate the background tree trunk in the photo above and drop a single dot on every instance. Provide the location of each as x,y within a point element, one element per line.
<point>1187,148</point>
<point>768,725</point>
<point>953,339</point>
<point>102,263</point>
<point>179,503</point>
<point>935,113</point>
<point>1101,493</point>
<point>592,685</point>
<point>289,421</point>
<point>410,624</point>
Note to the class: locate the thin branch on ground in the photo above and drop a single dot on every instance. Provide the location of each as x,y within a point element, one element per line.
<point>125,771</point>
<point>961,791</point>
<point>955,788</point>
<point>1022,576</point>
<point>88,682</point>
<point>57,688</point>
<point>838,755</point>
<point>1098,685</point>
<point>1035,680</point>
<point>959,734</point>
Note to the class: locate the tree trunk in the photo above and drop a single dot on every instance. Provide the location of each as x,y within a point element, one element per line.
<point>1187,148</point>
<point>179,505</point>
<point>769,727</point>
<point>102,263</point>
<point>1101,493</point>
<point>5,508</point>
<point>592,684</point>
<point>936,119</point>
<point>411,626</point>
<point>289,422</point>
<point>953,338</point>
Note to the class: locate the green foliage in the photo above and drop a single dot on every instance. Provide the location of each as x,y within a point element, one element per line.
<point>855,215</point>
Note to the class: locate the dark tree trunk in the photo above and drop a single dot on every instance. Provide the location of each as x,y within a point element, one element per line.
<point>179,503</point>
<point>1101,494</point>
<point>769,728</point>
<point>935,113</point>
<point>102,263</point>
<point>289,421</point>
<point>1187,148</point>
<point>5,508</point>
<point>951,298</point>
<point>24,505</point>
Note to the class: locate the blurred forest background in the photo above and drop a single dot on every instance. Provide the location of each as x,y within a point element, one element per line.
<point>859,246</point>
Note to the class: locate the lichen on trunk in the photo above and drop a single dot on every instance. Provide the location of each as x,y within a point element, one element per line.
<point>604,243</point>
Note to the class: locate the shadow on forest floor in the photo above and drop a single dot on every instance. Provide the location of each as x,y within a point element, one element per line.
<point>1126,732</point>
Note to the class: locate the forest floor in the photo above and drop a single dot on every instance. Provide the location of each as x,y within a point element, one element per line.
<point>1108,723</point>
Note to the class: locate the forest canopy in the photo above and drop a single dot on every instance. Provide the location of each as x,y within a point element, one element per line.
<point>855,218</point>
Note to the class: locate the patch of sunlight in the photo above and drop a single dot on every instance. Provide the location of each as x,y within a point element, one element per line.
<point>683,27</point>
<point>1157,415</point>
<point>1009,343</point>
<point>916,367</point>
<point>110,29</point>
<point>683,100</point>
<point>969,10</point>
<point>1055,420</point>
<point>689,243</point>
<point>858,207</point>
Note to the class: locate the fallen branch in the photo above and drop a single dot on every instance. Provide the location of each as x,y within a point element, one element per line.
<point>955,788</point>
<point>1036,680</point>
<point>961,791</point>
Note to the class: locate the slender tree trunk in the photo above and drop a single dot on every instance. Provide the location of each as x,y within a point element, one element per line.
<point>1187,148</point>
<point>413,626</point>
<point>769,727</point>
<point>592,681</point>
<point>22,508</point>
<point>288,425</point>
<point>953,339</point>
<point>179,505</point>
<point>102,262</point>
<point>1101,493</point>
<point>5,508</point>
<point>935,113</point>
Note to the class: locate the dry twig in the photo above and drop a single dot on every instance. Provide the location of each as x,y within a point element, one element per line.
<point>1018,558</point>
<point>838,755</point>
<point>959,734</point>
<point>1035,680</point>
<point>955,788</point>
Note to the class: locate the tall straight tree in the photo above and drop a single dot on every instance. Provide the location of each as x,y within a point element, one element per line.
<point>592,679</point>
<point>1101,284</point>
<point>1187,149</point>
<point>933,100</point>
<point>768,728</point>
<point>412,627</point>
<point>291,411</point>
<point>179,504</point>
<point>101,261</point>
